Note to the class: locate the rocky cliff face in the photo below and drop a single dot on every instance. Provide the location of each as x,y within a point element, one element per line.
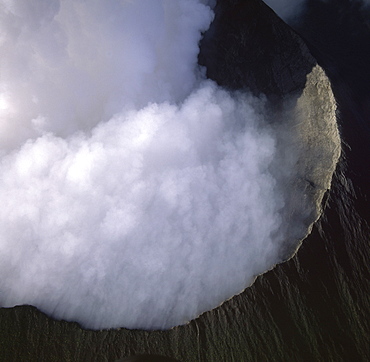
<point>246,48</point>
<point>311,143</point>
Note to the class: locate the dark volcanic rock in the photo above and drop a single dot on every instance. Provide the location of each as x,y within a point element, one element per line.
<point>248,46</point>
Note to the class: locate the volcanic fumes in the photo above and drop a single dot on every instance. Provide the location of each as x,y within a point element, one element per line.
<point>136,192</point>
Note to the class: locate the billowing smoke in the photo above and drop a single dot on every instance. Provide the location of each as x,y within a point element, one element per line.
<point>134,191</point>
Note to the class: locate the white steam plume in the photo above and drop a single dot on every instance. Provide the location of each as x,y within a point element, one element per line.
<point>134,192</point>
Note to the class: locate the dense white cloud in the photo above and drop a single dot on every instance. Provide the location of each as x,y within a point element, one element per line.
<point>134,192</point>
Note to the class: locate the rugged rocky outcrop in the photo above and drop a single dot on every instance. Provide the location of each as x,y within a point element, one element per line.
<point>247,47</point>
<point>311,144</point>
